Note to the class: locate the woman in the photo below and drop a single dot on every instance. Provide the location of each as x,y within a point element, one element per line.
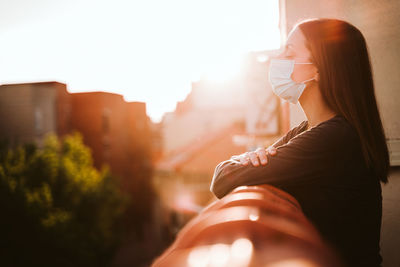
<point>332,163</point>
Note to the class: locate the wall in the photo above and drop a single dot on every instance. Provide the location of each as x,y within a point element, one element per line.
<point>16,114</point>
<point>117,132</point>
<point>30,111</point>
<point>99,117</point>
<point>379,22</point>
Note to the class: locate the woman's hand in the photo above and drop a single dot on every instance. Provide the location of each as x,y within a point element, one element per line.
<point>256,157</point>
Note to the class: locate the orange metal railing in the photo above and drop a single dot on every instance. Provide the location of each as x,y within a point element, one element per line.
<point>251,226</point>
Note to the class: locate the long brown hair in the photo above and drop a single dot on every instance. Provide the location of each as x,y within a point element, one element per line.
<point>339,51</point>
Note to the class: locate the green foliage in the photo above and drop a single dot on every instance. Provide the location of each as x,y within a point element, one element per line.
<point>57,209</point>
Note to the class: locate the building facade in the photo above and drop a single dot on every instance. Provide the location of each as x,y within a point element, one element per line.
<point>117,132</point>
<point>31,110</point>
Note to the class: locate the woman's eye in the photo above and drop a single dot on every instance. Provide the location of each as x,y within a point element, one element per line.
<point>288,57</point>
<point>288,54</point>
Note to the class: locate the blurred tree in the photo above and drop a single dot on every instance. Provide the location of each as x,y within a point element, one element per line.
<point>56,208</point>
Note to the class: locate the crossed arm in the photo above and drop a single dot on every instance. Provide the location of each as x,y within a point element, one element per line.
<point>259,156</point>
<point>304,159</point>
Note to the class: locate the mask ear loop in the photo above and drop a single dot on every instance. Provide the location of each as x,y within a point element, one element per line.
<point>308,80</point>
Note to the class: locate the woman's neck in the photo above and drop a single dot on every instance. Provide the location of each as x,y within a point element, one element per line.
<point>314,107</point>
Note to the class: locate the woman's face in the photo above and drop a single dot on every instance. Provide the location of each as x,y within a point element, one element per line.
<point>296,50</point>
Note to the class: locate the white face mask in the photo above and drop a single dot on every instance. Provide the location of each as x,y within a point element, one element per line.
<point>282,84</point>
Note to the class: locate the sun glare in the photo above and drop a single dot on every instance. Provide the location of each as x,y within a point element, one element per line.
<point>145,50</point>
<point>224,69</point>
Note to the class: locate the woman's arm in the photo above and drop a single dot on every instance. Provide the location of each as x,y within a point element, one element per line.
<point>305,158</point>
<point>259,156</point>
<point>290,134</point>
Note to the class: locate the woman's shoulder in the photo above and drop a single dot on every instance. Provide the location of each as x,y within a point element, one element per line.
<point>340,125</point>
<point>335,132</point>
<point>336,128</point>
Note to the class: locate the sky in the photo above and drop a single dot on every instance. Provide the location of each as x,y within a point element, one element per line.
<point>145,50</point>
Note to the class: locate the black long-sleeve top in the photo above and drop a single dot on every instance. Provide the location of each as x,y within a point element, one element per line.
<point>324,169</point>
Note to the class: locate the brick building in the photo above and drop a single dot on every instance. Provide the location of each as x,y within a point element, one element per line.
<point>117,131</point>
<point>31,110</point>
